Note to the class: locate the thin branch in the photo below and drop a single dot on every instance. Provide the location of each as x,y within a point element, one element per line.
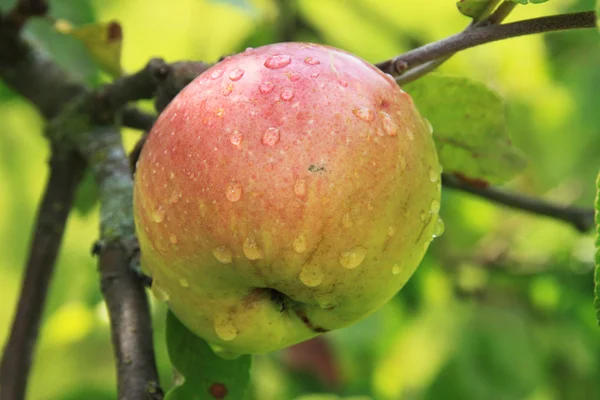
<point>478,35</point>
<point>65,174</point>
<point>25,9</point>
<point>420,70</point>
<point>137,119</point>
<point>582,219</point>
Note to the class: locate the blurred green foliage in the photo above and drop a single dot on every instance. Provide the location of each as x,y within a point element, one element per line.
<point>502,305</point>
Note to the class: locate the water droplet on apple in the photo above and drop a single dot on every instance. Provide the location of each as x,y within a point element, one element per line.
<point>233,191</point>
<point>251,249</point>
<point>435,206</point>
<point>271,137</point>
<point>326,301</point>
<point>315,75</point>
<point>311,276</point>
<point>173,238</point>
<point>300,244</point>
<point>396,269</point>
<point>235,138</point>
<point>184,283</point>
<point>223,254</point>
<point>266,87</point>
<point>433,176</point>
<point>391,231</point>
<point>300,187</point>
<point>439,228</point>
<point>216,74</point>
<point>236,74</point>
<point>364,113</point>
<point>278,61</point>
<point>410,134</point>
<point>159,293</point>
<point>353,258</point>
<point>224,328</point>
<point>294,76</point>
<point>172,175</point>
<point>220,112</point>
<point>388,125</point>
<point>312,61</point>
<point>343,83</point>
<point>347,221</point>
<point>287,94</point>
<point>227,90</point>
<point>158,215</point>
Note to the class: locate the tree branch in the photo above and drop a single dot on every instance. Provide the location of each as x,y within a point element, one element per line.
<point>25,9</point>
<point>481,34</point>
<point>582,219</point>
<point>66,172</point>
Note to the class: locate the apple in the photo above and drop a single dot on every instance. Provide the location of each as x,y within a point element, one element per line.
<point>288,191</point>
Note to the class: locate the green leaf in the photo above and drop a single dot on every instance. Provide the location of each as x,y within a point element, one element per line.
<point>469,127</point>
<point>597,272</point>
<point>245,5</point>
<point>206,376</point>
<point>87,194</point>
<point>474,8</point>
<point>102,40</point>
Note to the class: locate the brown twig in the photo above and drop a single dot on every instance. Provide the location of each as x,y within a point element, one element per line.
<point>581,219</point>
<point>66,172</point>
<point>25,9</point>
<point>481,34</point>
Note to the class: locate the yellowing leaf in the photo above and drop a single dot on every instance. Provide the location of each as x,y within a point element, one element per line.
<point>103,40</point>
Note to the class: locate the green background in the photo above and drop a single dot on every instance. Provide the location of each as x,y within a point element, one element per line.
<point>502,305</point>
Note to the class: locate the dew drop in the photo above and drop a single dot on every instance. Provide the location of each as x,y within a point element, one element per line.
<point>223,254</point>
<point>251,249</point>
<point>287,94</point>
<point>173,238</point>
<point>343,83</point>
<point>388,125</point>
<point>236,138</point>
<point>220,112</point>
<point>396,269</point>
<point>435,206</point>
<point>216,74</point>
<point>353,258</point>
<point>202,81</point>
<point>236,74</point>
<point>184,283</point>
<point>391,231</point>
<point>271,137</point>
<point>158,215</point>
<point>266,87</point>
<point>315,75</point>
<point>364,113</point>
<point>433,176</point>
<point>300,187</point>
<point>410,134</point>
<point>294,76</point>
<point>159,293</point>
<point>224,328</point>
<point>300,244</point>
<point>347,221</point>
<point>326,301</point>
<point>439,228</point>
<point>278,61</point>
<point>312,61</point>
<point>234,191</point>
<point>171,175</point>
<point>311,276</point>
<point>227,90</point>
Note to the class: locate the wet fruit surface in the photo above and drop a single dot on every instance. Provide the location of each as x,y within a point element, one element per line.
<point>299,170</point>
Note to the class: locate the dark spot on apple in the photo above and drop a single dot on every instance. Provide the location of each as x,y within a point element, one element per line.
<point>218,390</point>
<point>316,168</point>
<point>304,318</point>
<point>384,103</point>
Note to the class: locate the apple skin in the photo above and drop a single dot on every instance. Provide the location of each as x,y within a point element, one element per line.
<point>288,191</point>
